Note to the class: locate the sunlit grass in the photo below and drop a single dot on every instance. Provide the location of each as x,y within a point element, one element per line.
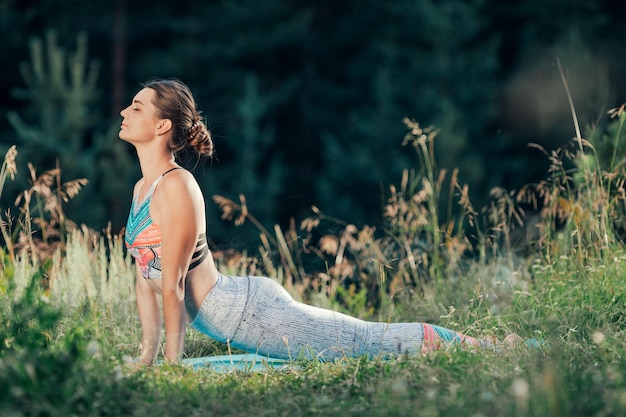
<point>577,310</point>
<point>68,318</point>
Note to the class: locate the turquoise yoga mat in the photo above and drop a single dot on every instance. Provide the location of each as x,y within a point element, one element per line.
<point>239,362</point>
<point>253,362</point>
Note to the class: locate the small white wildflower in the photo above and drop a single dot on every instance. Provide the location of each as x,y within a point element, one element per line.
<point>118,373</point>
<point>520,389</point>
<point>598,337</point>
<point>93,348</point>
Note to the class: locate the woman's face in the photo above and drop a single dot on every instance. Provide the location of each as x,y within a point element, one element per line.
<point>140,121</point>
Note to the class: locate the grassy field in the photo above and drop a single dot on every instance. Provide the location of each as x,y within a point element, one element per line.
<point>63,350</point>
<point>68,321</point>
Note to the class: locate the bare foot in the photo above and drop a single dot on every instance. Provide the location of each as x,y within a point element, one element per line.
<point>513,340</point>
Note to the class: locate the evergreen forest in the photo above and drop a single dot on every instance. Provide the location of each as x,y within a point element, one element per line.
<point>306,99</point>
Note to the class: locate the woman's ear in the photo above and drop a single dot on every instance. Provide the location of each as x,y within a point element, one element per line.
<point>163,126</point>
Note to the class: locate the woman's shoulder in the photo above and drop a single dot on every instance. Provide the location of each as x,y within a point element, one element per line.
<point>178,193</point>
<point>179,182</point>
<point>178,176</point>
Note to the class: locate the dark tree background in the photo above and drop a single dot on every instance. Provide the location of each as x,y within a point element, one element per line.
<point>306,98</point>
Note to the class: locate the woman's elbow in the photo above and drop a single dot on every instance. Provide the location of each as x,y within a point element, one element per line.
<point>174,290</point>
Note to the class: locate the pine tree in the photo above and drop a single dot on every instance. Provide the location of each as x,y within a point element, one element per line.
<point>251,171</point>
<point>424,62</point>
<point>61,127</point>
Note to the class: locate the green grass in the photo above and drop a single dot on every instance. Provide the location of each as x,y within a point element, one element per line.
<point>64,356</point>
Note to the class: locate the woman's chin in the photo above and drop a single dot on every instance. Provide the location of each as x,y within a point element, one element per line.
<point>122,135</point>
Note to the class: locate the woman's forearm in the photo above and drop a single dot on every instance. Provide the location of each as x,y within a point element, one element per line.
<point>175,322</point>
<point>150,338</point>
<point>150,319</point>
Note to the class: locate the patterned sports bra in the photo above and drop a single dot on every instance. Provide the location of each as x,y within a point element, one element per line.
<point>143,237</point>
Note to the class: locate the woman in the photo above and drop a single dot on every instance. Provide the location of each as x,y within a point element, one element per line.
<point>166,236</point>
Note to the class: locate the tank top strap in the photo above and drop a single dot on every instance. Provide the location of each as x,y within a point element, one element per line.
<point>153,186</point>
<point>167,172</point>
<point>157,181</point>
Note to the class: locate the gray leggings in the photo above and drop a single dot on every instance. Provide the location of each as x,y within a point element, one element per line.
<point>256,314</point>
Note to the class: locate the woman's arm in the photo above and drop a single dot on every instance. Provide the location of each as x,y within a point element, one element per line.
<point>181,216</point>
<point>150,318</point>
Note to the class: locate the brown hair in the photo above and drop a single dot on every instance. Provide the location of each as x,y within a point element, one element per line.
<point>174,101</point>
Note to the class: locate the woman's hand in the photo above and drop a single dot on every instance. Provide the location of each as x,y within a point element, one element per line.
<point>135,364</point>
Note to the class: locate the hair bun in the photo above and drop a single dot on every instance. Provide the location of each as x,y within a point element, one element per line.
<point>200,137</point>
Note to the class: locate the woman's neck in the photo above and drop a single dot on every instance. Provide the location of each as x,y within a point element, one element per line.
<point>154,163</point>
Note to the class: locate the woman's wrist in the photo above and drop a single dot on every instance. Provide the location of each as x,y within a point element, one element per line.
<point>144,360</point>
<point>148,355</point>
<point>147,361</point>
<point>174,360</point>
<point>174,354</point>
